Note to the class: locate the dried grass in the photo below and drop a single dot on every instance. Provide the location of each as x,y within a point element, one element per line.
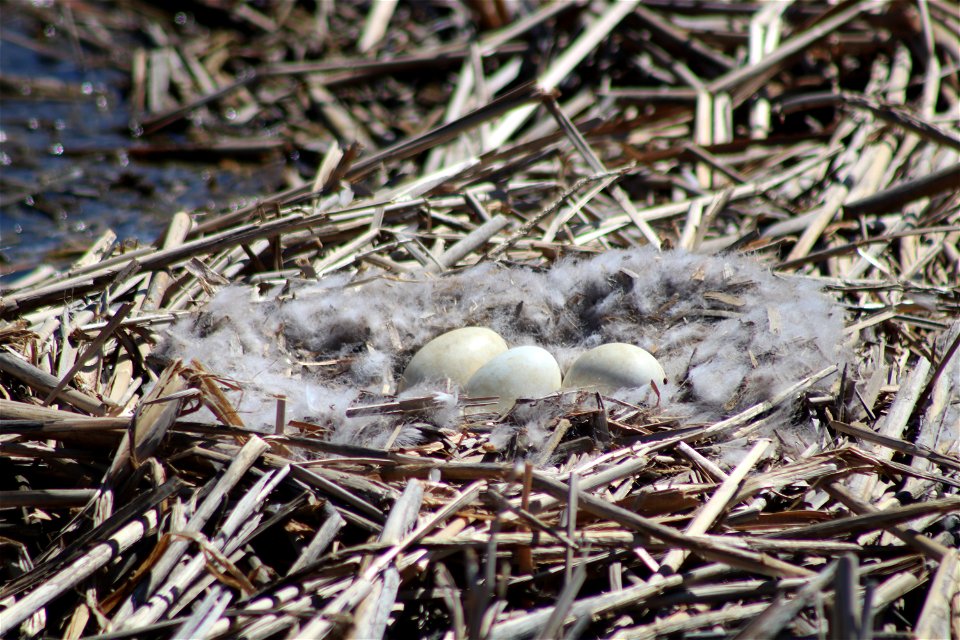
<point>821,140</point>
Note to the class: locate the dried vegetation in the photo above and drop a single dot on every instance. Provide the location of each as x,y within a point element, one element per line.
<point>819,138</point>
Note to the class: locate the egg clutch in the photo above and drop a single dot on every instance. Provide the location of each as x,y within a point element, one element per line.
<point>479,360</point>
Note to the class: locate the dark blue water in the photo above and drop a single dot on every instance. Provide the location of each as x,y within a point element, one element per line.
<point>67,167</point>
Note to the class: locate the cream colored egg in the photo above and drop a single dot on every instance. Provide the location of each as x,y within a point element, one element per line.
<point>614,366</point>
<point>521,372</point>
<point>454,355</point>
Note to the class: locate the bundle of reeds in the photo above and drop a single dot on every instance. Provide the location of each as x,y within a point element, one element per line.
<point>818,140</point>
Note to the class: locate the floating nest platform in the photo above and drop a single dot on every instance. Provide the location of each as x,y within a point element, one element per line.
<point>819,139</point>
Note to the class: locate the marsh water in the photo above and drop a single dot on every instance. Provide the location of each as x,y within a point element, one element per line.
<point>71,163</point>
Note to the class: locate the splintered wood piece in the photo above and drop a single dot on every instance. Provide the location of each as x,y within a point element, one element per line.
<point>159,409</point>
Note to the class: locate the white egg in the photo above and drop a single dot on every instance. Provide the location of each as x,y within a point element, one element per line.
<point>454,355</point>
<point>614,366</point>
<point>521,372</point>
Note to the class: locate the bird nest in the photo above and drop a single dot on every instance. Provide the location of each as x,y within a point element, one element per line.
<point>203,437</point>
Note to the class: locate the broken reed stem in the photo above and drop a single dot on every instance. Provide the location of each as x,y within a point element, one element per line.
<point>717,504</point>
<point>527,226</point>
<point>95,345</point>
